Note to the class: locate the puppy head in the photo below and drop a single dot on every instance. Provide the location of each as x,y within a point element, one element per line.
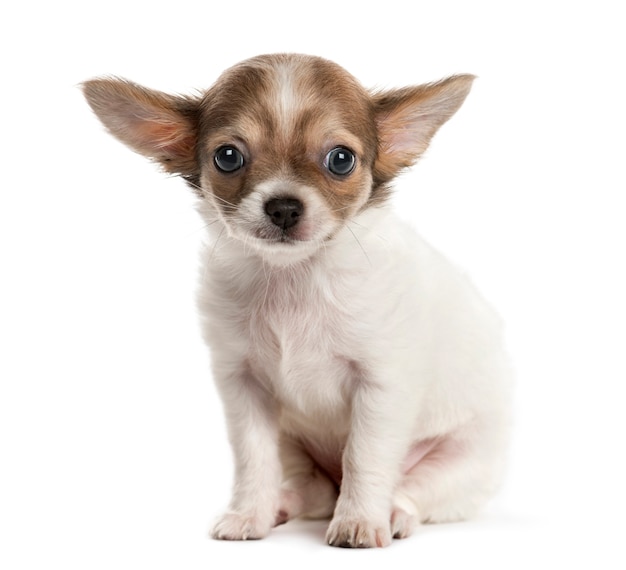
<point>284,149</point>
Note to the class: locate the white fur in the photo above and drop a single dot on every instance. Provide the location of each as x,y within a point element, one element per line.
<point>287,98</point>
<point>364,349</point>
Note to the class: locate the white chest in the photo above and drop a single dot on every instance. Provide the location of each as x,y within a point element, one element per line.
<point>301,340</point>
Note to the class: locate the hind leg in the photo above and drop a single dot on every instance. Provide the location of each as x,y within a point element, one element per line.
<point>452,480</point>
<point>306,490</point>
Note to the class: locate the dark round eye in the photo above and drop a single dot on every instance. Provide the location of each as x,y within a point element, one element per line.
<point>228,159</point>
<point>340,161</point>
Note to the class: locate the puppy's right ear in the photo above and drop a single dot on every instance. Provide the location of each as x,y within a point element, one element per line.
<point>160,126</point>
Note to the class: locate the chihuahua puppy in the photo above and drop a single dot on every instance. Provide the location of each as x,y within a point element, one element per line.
<point>363,377</point>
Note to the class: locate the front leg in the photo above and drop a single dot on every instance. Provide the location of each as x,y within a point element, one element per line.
<point>380,433</point>
<point>252,422</point>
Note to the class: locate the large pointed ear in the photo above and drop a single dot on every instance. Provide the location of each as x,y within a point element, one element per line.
<point>408,118</point>
<point>159,126</point>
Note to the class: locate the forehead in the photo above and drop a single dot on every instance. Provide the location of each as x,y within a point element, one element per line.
<point>286,97</point>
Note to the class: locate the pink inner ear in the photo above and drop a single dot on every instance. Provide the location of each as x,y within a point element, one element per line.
<point>162,137</point>
<point>404,139</point>
<point>408,134</point>
<point>171,138</point>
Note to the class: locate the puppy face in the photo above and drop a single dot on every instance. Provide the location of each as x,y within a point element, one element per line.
<point>285,149</point>
<point>287,146</point>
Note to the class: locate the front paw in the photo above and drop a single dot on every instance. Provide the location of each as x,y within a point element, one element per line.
<point>240,526</point>
<point>358,533</point>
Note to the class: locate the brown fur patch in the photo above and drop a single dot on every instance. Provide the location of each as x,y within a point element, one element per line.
<point>287,130</point>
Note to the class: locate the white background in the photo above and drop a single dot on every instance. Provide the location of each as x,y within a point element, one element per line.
<point>112,445</point>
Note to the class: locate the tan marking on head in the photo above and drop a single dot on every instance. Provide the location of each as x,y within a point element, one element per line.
<point>287,112</point>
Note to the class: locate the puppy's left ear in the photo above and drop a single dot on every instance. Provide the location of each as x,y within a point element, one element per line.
<point>408,118</point>
<point>160,126</point>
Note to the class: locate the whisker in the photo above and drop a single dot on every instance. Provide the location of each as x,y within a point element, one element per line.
<point>341,209</point>
<point>204,227</point>
<point>222,201</point>
<point>267,281</point>
<point>369,230</point>
<point>245,243</point>
<point>194,185</point>
<point>360,245</point>
<point>226,202</point>
<point>214,248</point>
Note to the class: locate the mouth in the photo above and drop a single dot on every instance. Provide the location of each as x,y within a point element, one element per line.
<point>284,246</point>
<point>286,239</point>
<point>280,248</point>
<point>282,237</point>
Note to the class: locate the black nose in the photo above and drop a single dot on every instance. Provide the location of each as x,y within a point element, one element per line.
<point>284,212</point>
